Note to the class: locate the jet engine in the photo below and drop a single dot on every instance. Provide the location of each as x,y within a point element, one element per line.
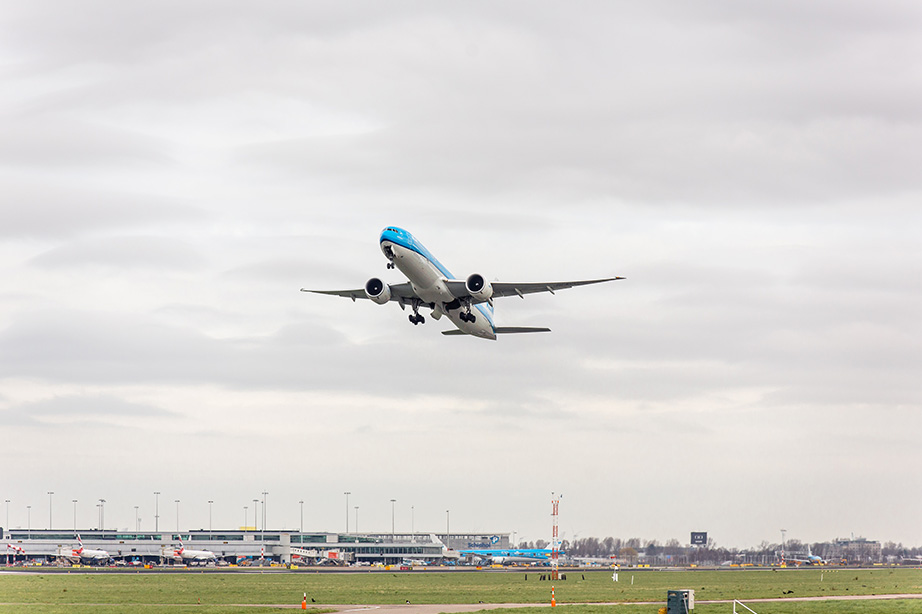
<point>479,288</point>
<point>377,291</point>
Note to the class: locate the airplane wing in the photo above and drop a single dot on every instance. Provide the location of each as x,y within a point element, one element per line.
<point>399,292</point>
<point>506,288</point>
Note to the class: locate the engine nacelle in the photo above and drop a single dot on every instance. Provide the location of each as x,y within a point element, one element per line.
<point>479,288</point>
<point>377,291</point>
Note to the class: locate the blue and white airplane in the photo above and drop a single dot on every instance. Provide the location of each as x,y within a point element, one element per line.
<point>500,556</point>
<point>467,303</point>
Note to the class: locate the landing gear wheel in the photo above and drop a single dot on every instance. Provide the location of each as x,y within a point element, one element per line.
<point>412,319</point>
<point>471,318</point>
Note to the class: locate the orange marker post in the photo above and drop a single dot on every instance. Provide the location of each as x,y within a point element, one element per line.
<point>304,602</point>
<point>553,598</point>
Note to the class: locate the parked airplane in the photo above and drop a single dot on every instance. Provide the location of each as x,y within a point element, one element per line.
<point>81,553</point>
<point>467,303</point>
<point>500,556</point>
<point>193,556</point>
<point>805,559</point>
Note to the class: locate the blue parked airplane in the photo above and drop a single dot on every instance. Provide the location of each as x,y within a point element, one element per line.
<point>500,556</point>
<point>468,304</point>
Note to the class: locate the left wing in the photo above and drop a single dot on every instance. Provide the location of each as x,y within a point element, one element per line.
<point>506,288</point>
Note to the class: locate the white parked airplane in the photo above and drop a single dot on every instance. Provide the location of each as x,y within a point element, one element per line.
<point>467,303</point>
<point>80,553</point>
<point>196,556</point>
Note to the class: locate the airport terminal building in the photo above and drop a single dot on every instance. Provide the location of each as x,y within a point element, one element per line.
<point>251,546</point>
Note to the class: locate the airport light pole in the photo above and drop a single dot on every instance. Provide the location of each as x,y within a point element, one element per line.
<point>7,501</point>
<point>102,514</point>
<point>255,514</point>
<point>157,511</point>
<point>137,521</point>
<point>393,537</point>
<point>177,515</point>
<point>347,493</point>
<point>356,519</point>
<point>302,515</point>
<point>245,517</point>
<point>448,529</point>
<point>50,496</point>
<point>412,523</point>
<point>264,493</point>
<point>29,520</point>
<point>210,504</point>
<point>74,501</point>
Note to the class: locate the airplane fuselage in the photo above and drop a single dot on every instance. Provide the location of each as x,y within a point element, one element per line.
<point>427,278</point>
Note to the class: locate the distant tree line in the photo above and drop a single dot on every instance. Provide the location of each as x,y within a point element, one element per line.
<point>673,552</point>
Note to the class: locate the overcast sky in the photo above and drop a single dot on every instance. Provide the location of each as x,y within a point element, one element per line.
<point>171,173</point>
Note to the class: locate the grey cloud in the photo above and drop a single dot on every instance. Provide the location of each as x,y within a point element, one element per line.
<point>92,405</point>
<point>124,253</point>
<point>78,410</point>
<point>66,209</point>
<point>49,141</point>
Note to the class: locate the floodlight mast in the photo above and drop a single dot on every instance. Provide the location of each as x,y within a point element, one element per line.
<point>783,531</point>
<point>555,541</point>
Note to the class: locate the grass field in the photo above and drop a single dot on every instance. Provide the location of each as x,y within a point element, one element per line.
<point>153,593</point>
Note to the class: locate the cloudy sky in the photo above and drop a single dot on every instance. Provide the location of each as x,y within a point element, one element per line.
<point>171,173</point>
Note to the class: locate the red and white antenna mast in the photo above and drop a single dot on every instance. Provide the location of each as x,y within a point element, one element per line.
<point>555,538</point>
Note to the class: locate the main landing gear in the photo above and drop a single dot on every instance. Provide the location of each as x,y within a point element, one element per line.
<point>467,316</point>
<point>414,317</point>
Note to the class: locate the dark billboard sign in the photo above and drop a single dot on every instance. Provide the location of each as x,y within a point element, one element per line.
<point>699,538</point>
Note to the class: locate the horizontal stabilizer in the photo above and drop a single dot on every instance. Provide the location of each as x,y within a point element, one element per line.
<point>503,330</point>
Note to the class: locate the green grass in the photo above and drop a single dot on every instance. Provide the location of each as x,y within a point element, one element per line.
<point>154,593</point>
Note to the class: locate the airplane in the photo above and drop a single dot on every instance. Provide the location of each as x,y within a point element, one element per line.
<point>82,553</point>
<point>806,559</point>
<point>500,556</point>
<point>468,304</point>
<point>193,556</point>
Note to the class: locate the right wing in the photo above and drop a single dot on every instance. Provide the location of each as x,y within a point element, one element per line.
<point>399,292</point>
<point>507,288</point>
<point>504,288</point>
